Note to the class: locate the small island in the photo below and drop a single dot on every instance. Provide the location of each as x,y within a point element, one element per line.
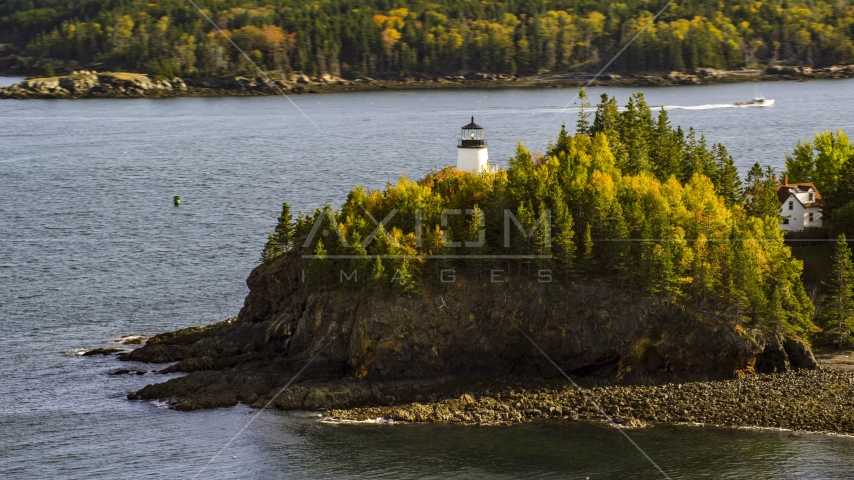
<point>630,252</point>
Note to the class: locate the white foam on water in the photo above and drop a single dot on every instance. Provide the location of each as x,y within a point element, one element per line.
<point>375,421</point>
<point>126,338</point>
<point>160,403</point>
<point>710,106</point>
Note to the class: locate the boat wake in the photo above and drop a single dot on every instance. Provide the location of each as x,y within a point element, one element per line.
<point>710,106</point>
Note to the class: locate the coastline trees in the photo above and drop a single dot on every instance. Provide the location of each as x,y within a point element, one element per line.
<point>837,306</point>
<point>612,218</point>
<point>821,161</point>
<point>281,239</point>
<point>372,37</point>
<point>828,162</point>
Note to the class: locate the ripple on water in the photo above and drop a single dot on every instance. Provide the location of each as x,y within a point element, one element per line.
<point>91,248</point>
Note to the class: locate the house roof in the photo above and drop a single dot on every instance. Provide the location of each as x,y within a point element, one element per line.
<point>473,125</point>
<point>801,192</point>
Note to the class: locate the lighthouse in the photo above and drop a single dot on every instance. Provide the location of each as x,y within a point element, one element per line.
<point>471,150</point>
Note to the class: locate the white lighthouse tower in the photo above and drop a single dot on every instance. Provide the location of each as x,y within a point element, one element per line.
<point>471,151</point>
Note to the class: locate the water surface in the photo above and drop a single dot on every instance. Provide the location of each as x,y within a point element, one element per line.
<point>91,248</point>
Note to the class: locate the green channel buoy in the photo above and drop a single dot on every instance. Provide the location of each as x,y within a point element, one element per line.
<point>177,200</point>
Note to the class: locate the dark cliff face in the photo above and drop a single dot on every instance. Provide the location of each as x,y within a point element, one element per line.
<point>375,347</point>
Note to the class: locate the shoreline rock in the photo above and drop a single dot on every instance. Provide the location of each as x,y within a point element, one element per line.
<point>91,84</point>
<point>101,351</point>
<point>378,355</point>
<point>805,401</point>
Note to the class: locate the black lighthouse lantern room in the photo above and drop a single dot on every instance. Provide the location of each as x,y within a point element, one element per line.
<point>472,136</point>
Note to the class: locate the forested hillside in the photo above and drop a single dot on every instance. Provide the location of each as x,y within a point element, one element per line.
<point>390,37</point>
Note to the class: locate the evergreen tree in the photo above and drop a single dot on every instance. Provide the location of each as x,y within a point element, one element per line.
<point>703,276</point>
<point>838,305</point>
<point>377,278</point>
<point>663,278</point>
<point>563,239</point>
<point>726,180</point>
<point>362,263</point>
<point>285,228</point>
<point>271,248</point>
<point>839,212</point>
<point>666,153</point>
<point>543,242</point>
<point>696,158</point>
<point>582,126</point>
<point>635,127</point>
<point>607,122</point>
<point>320,267</point>
<point>588,262</point>
<point>761,193</point>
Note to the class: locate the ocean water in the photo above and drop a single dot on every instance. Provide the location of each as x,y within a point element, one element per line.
<point>91,248</point>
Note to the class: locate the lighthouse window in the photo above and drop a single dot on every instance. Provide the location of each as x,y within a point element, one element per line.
<point>810,216</point>
<point>791,205</point>
<point>812,197</point>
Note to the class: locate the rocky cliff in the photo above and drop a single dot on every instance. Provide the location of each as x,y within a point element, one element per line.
<point>377,347</point>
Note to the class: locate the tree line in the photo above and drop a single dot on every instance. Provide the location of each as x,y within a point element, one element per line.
<point>629,200</point>
<point>828,162</point>
<point>391,37</point>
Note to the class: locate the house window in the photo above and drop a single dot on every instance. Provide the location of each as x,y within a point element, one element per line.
<point>791,205</point>
<point>810,217</point>
<point>785,221</point>
<point>812,197</point>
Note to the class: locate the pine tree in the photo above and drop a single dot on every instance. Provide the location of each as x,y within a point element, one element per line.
<point>838,305</point>
<point>362,262</point>
<point>761,193</point>
<point>271,248</point>
<point>666,152</point>
<point>701,270</point>
<point>563,239</point>
<point>633,133</point>
<point>607,121</point>
<point>377,278</point>
<point>542,242</point>
<point>697,158</point>
<point>319,268</point>
<point>840,201</point>
<point>285,228</point>
<point>663,279</point>
<point>726,180</point>
<point>588,262</point>
<point>582,126</point>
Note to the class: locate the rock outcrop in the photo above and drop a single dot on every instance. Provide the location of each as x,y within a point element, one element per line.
<point>84,83</point>
<point>370,347</point>
<point>89,84</point>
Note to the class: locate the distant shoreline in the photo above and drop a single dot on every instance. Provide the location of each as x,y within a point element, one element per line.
<point>88,84</point>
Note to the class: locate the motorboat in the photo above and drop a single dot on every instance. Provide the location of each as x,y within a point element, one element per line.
<point>756,102</point>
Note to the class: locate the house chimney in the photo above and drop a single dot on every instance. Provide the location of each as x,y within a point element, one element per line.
<point>775,179</point>
<point>785,179</point>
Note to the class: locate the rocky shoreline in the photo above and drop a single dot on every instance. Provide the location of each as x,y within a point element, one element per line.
<point>804,400</point>
<point>92,84</point>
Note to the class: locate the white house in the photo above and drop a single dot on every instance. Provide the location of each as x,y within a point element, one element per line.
<point>800,205</point>
<point>471,150</point>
